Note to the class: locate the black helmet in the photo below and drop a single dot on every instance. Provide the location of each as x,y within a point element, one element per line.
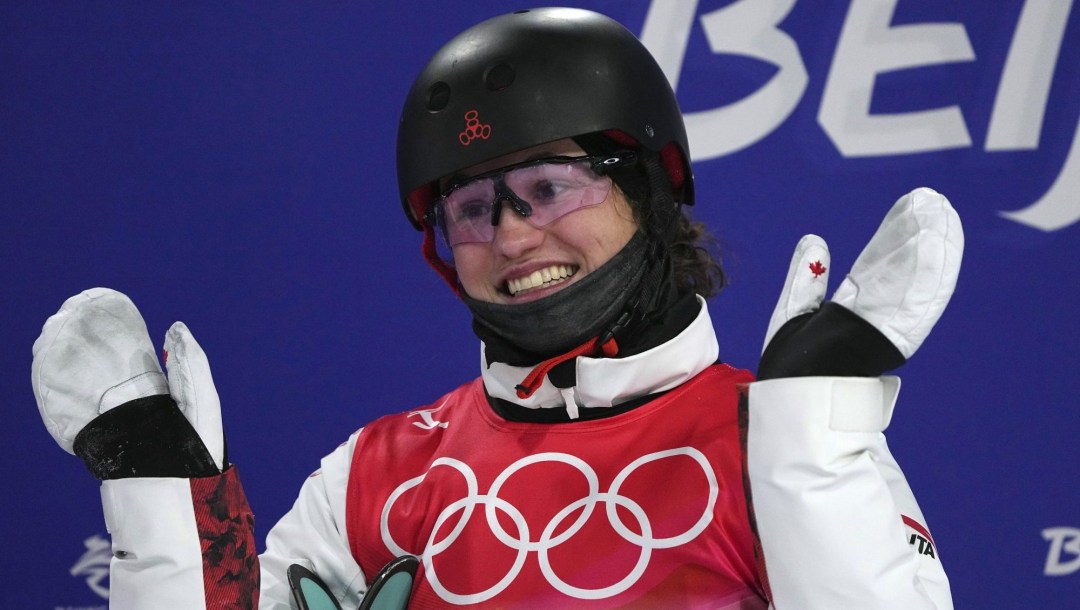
<point>527,78</point>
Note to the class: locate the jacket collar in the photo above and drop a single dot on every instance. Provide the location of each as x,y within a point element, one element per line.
<point>605,382</point>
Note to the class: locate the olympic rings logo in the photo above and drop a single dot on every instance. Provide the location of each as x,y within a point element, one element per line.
<point>522,540</point>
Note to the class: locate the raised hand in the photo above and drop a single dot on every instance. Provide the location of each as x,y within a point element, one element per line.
<point>102,394</point>
<point>883,310</point>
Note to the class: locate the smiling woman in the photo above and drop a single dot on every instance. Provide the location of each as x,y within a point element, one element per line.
<point>545,150</point>
<point>595,222</point>
<point>541,246</point>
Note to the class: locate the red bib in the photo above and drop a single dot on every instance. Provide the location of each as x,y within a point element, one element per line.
<point>645,509</point>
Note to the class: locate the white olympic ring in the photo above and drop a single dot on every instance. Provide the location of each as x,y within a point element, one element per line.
<point>547,541</point>
<point>622,585</point>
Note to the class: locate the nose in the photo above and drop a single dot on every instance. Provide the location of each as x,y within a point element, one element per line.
<point>514,236</point>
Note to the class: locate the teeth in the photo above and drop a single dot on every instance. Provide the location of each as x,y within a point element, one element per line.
<point>543,277</point>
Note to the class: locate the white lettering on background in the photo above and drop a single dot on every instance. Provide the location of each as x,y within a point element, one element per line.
<point>1062,540</point>
<point>1020,106</point>
<point>868,46</point>
<point>747,29</point>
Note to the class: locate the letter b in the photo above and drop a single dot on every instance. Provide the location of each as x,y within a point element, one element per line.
<point>1062,540</point>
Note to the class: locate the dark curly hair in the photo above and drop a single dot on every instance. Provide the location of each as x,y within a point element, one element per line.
<point>695,256</point>
<point>693,249</point>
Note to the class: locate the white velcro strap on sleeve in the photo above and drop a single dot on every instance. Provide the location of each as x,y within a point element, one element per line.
<point>852,403</point>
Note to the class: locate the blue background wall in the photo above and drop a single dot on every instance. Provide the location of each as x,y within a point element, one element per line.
<point>232,166</point>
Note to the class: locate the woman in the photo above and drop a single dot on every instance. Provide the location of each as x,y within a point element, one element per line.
<point>602,459</point>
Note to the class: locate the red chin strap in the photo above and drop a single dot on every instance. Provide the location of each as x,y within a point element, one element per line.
<point>419,200</point>
<point>592,347</point>
<point>431,255</point>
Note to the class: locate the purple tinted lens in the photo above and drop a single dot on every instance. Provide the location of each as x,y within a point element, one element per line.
<point>467,212</point>
<point>552,190</point>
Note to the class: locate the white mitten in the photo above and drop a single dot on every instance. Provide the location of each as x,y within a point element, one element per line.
<point>94,354</point>
<point>193,389</point>
<point>884,309</point>
<point>906,275</point>
<point>805,285</point>
<point>103,396</point>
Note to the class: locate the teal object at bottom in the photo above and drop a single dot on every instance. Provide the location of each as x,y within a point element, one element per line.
<point>394,594</point>
<point>316,597</point>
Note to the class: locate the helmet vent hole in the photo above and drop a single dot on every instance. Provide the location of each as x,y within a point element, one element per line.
<point>521,11</point>
<point>438,96</point>
<point>499,77</point>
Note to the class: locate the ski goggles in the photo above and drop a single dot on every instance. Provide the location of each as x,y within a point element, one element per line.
<point>541,191</point>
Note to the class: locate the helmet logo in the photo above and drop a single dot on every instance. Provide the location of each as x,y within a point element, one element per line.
<point>474,128</point>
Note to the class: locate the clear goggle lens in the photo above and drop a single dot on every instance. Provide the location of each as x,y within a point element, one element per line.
<point>540,191</point>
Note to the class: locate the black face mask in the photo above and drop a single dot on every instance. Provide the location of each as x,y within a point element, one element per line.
<point>524,334</point>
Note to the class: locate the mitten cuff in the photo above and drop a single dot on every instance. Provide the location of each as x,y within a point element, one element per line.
<point>145,437</point>
<point>831,341</point>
